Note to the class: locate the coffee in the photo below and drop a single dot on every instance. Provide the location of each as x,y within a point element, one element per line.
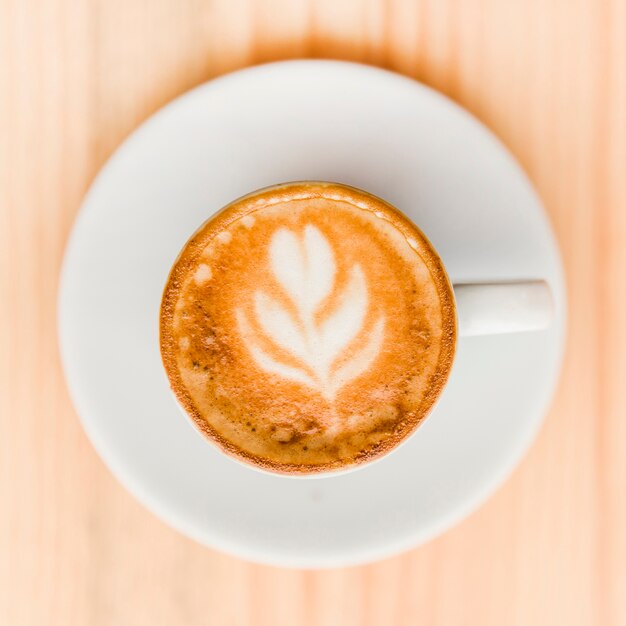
<point>307,327</point>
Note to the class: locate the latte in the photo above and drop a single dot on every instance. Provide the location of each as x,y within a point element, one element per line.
<point>307,327</point>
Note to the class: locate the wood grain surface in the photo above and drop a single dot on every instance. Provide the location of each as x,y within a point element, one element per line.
<point>547,76</point>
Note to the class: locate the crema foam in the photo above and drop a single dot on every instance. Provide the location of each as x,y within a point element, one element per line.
<point>307,327</point>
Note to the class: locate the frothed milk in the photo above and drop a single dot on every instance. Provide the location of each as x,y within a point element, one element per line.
<point>307,327</point>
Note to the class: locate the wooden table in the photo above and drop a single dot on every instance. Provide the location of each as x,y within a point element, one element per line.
<point>548,77</point>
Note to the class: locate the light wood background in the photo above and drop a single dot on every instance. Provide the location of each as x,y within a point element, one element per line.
<point>549,77</point>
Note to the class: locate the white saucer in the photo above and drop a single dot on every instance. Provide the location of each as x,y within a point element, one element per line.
<point>299,120</point>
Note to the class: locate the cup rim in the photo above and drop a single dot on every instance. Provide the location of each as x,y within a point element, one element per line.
<point>445,290</point>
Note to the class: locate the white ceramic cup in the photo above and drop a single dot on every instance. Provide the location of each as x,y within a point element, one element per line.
<point>481,309</point>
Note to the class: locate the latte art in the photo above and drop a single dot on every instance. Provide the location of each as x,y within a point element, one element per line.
<point>305,268</point>
<point>307,327</point>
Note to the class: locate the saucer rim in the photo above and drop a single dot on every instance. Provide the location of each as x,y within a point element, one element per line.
<point>214,540</point>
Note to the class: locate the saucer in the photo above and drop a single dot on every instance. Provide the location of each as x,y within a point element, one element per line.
<point>305,120</point>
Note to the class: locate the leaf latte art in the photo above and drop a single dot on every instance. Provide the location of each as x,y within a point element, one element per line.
<point>307,327</point>
<point>305,268</point>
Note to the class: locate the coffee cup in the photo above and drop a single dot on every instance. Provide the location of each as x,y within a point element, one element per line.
<point>310,327</point>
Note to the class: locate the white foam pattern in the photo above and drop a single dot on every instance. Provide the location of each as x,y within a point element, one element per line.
<point>305,268</point>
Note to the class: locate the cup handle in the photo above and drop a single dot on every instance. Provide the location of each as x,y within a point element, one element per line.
<point>496,308</point>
